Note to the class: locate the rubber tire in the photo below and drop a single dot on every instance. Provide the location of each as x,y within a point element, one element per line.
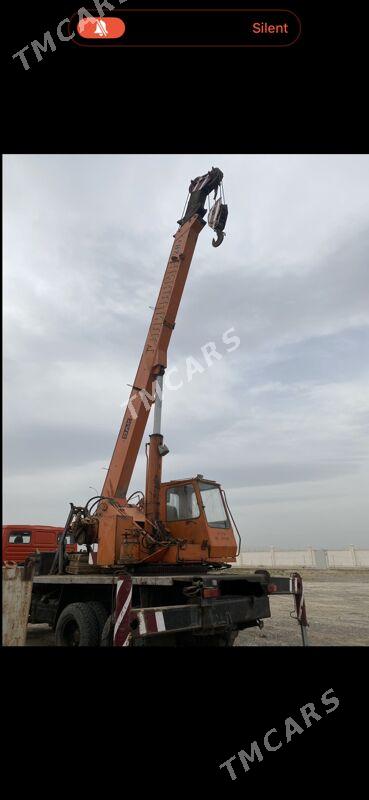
<point>101,615</point>
<point>107,633</point>
<point>82,617</point>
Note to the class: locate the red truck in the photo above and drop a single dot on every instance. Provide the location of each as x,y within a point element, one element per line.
<point>20,541</point>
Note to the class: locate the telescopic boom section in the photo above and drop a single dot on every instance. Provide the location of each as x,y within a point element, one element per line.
<point>154,357</point>
<point>153,360</point>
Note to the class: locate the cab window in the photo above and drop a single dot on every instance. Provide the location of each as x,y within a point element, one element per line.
<point>19,537</point>
<point>182,503</point>
<point>216,514</point>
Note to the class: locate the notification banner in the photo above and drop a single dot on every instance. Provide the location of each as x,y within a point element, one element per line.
<point>137,27</point>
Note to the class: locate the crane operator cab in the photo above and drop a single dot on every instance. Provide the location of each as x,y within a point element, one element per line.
<point>195,511</point>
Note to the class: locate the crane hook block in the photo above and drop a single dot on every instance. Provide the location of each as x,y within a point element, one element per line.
<point>217,219</point>
<point>199,189</point>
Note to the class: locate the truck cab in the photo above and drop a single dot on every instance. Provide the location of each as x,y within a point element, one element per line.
<point>20,541</point>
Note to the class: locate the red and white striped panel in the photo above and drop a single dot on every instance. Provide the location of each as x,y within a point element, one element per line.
<point>150,621</point>
<point>122,614</point>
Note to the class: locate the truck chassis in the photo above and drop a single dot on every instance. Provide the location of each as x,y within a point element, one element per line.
<point>150,610</point>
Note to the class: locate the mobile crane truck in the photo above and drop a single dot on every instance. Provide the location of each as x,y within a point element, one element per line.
<point>156,565</point>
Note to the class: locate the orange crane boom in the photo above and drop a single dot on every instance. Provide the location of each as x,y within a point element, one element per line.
<point>153,360</point>
<point>154,357</point>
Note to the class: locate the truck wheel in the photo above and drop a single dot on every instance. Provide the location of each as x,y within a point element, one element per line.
<point>101,615</point>
<point>107,633</point>
<point>77,626</point>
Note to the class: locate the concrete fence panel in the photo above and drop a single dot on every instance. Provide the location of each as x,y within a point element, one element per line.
<point>309,557</point>
<point>262,558</point>
<point>288,558</point>
<point>340,558</point>
<point>362,558</point>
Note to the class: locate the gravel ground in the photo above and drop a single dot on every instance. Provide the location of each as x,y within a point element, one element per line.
<point>337,603</point>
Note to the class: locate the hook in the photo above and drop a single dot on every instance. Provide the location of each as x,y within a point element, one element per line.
<point>220,236</point>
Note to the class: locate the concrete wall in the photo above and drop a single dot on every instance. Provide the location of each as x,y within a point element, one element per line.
<point>17,591</point>
<point>362,557</point>
<point>309,557</point>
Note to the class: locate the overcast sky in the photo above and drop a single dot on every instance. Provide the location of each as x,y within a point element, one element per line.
<point>281,421</point>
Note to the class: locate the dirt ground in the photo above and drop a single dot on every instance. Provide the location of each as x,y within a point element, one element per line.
<point>337,603</point>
